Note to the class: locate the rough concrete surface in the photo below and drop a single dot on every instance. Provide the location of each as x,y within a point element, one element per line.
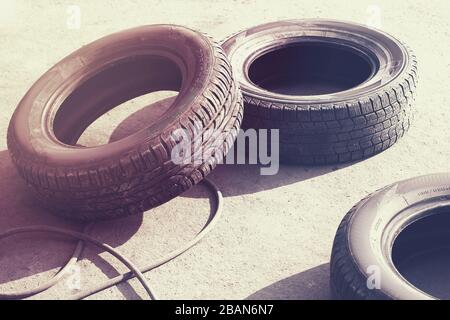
<point>274,239</point>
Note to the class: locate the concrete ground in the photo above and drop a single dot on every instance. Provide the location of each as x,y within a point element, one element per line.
<point>274,239</point>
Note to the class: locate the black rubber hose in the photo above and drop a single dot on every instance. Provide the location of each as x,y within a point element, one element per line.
<point>56,278</point>
<point>134,271</point>
<point>84,237</point>
<point>213,218</point>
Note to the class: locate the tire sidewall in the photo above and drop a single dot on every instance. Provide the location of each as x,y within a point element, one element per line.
<point>30,131</point>
<point>368,226</point>
<point>244,47</point>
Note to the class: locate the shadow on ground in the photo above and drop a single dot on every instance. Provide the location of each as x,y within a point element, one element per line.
<point>141,119</point>
<point>312,284</point>
<point>34,255</point>
<point>236,180</point>
<point>27,255</point>
<point>232,179</point>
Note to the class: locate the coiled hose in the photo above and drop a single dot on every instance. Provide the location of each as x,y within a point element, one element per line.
<point>134,270</point>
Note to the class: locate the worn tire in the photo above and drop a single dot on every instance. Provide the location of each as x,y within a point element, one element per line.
<point>331,127</point>
<point>378,232</point>
<point>136,173</point>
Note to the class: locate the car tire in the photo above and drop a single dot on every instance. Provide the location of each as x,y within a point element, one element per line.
<point>380,238</point>
<point>337,92</point>
<point>137,172</point>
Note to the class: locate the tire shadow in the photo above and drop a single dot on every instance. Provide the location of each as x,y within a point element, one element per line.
<point>233,179</point>
<point>312,284</point>
<point>141,119</point>
<point>26,259</point>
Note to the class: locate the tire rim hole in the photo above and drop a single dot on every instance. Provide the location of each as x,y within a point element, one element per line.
<point>421,253</point>
<point>309,68</point>
<point>103,101</point>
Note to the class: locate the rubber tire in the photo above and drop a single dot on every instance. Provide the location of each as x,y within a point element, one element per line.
<point>136,173</point>
<point>359,238</point>
<point>326,129</point>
